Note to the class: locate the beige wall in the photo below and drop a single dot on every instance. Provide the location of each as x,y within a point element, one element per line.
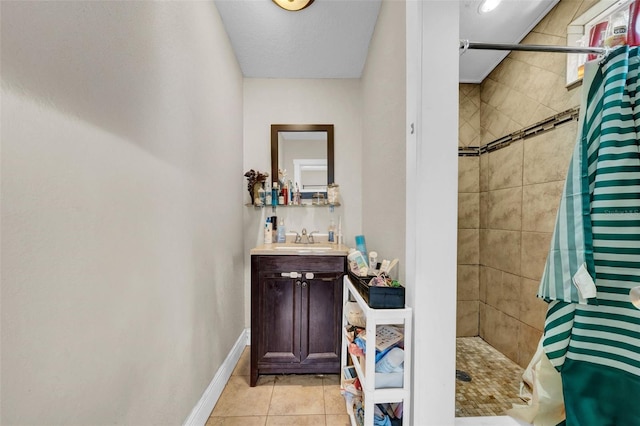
<point>519,190</point>
<point>384,137</point>
<point>121,210</point>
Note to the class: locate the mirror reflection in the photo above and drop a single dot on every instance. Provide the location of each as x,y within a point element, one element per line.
<point>302,156</point>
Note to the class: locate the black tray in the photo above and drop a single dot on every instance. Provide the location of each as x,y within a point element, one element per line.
<point>378,297</point>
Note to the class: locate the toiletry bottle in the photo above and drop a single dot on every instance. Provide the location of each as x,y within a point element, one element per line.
<point>290,191</point>
<point>373,262</point>
<point>262,195</point>
<point>361,245</point>
<point>267,195</point>
<point>268,239</point>
<point>296,197</point>
<point>332,232</point>
<point>274,228</point>
<point>282,236</point>
<point>285,195</point>
<point>274,194</point>
<point>357,263</point>
<point>281,197</point>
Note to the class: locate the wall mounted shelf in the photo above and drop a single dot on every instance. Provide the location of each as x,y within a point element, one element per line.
<point>295,206</point>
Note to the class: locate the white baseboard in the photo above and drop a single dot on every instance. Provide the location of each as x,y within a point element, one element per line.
<point>200,413</point>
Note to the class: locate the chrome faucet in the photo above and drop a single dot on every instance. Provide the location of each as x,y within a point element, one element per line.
<point>303,238</point>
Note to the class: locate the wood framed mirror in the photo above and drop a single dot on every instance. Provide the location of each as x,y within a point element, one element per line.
<point>305,151</point>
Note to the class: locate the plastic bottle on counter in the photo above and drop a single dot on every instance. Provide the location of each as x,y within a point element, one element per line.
<point>332,232</point>
<point>268,231</point>
<point>281,236</point>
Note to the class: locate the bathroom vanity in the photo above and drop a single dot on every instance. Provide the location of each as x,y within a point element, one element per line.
<point>296,308</point>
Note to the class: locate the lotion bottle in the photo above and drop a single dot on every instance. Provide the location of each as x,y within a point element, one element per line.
<point>268,237</point>
<point>267,190</point>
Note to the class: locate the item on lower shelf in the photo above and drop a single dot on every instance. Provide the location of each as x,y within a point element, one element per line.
<point>349,372</point>
<point>386,336</point>
<point>393,411</point>
<point>355,350</point>
<point>354,314</point>
<point>391,362</point>
<point>358,411</point>
<point>380,418</point>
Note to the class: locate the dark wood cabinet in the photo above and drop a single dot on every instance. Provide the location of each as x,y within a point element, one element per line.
<point>296,314</point>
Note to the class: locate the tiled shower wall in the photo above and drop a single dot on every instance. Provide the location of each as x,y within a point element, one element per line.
<point>518,187</point>
<point>468,214</point>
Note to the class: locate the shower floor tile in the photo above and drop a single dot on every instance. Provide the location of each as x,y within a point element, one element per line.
<point>495,379</point>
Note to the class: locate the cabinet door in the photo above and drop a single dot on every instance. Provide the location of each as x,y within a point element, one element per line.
<point>279,320</point>
<point>321,321</point>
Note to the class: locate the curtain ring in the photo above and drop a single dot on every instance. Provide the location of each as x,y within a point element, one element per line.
<point>464,44</point>
<point>604,55</point>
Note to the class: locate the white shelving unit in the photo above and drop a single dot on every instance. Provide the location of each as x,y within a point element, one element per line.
<point>375,317</point>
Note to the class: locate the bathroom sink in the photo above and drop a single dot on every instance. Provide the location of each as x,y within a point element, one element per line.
<point>319,249</point>
<point>304,247</point>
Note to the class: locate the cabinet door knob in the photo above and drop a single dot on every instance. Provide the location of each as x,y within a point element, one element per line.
<point>304,283</point>
<point>298,283</point>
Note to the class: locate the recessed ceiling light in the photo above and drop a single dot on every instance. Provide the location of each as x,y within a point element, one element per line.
<point>293,5</point>
<point>487,5</point>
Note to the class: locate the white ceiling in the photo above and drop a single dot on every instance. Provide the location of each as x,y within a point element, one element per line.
<point>330,38</point>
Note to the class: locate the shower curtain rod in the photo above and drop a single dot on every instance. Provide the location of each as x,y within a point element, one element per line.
<point>466,44</point>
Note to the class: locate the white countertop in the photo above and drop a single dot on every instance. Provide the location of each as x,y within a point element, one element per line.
<point>289,249</point>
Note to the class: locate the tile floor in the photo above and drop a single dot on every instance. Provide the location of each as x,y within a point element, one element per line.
<point>495,379</point>
<point>315,400</point>
<point>280,400</point>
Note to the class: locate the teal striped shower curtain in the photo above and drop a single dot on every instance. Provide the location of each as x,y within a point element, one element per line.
<point>592,330</point>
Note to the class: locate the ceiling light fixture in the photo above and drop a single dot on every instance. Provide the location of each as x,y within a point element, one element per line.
<point>293,5</point>
<point>487,5</point>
